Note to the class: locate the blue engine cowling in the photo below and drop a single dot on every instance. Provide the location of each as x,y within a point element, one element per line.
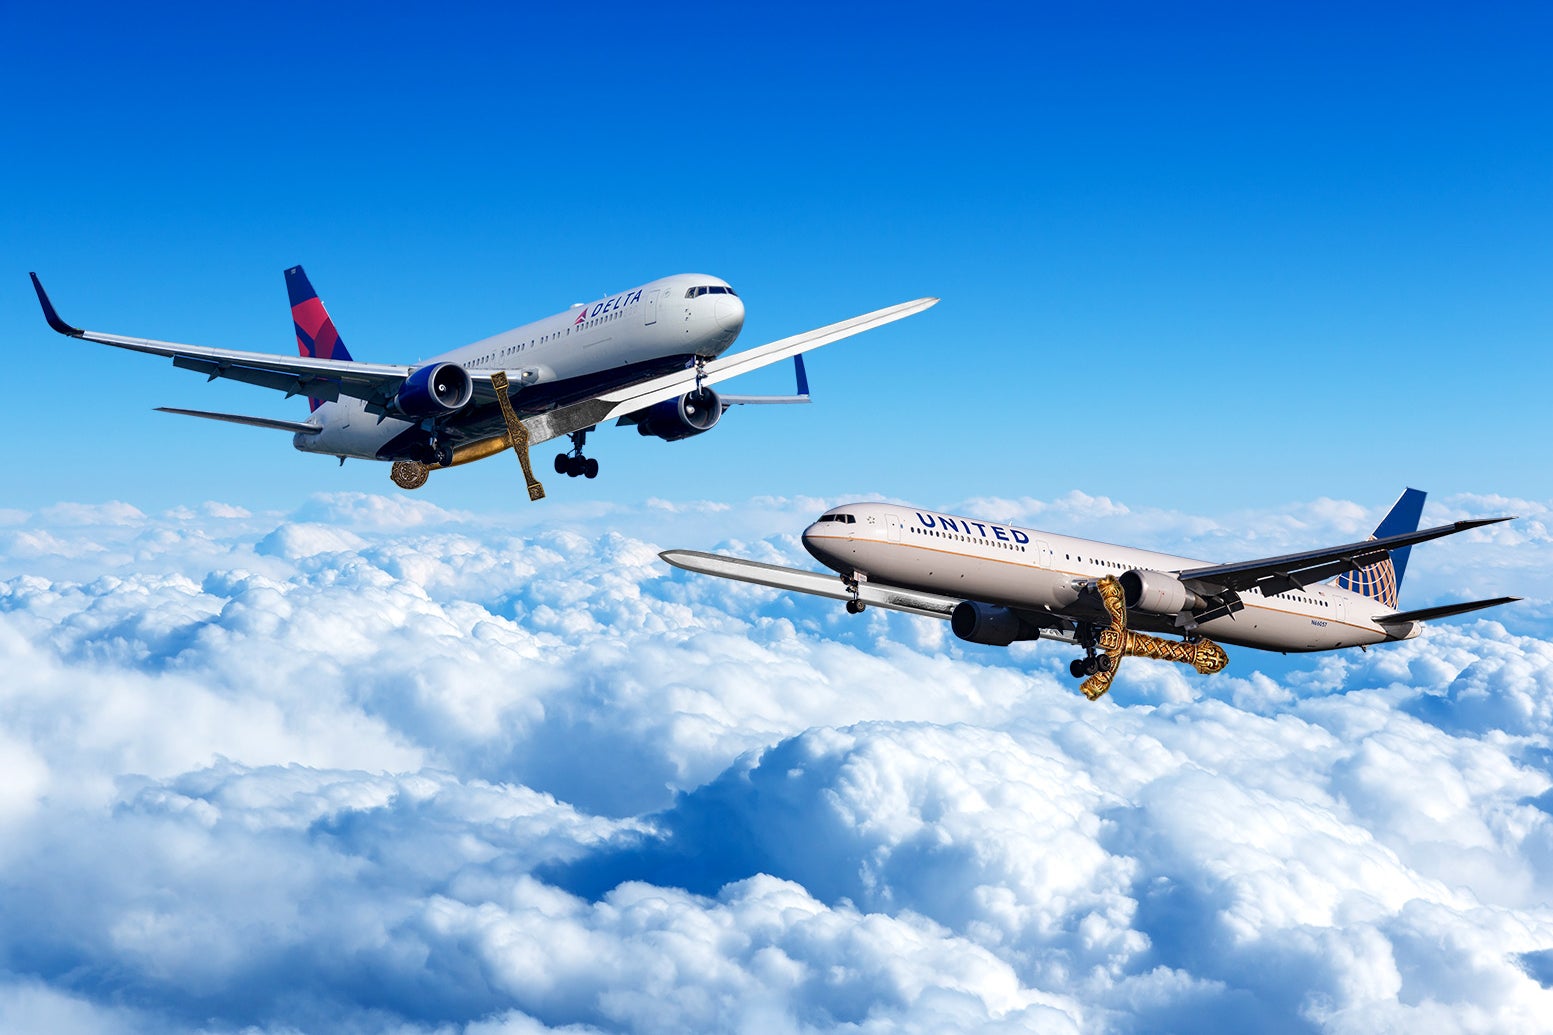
<point>989,624</point>
<point>433,390</point>
<point>674,419</point>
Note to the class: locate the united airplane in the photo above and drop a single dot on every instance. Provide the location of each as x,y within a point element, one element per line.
<point>645,357</point>
<point>998,584</point>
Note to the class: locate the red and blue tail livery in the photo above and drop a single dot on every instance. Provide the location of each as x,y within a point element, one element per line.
<point>316,335</point>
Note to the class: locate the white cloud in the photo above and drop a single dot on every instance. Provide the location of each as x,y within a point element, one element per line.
<point>380,766</point>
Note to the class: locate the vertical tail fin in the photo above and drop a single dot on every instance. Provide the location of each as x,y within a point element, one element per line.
<point>1382,581</point>
<point>316,336</point>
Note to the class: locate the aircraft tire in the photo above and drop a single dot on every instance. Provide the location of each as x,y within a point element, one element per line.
<point>854,607</point>
<point>560,463</point>
<point>590,468</point>
<point>1077,668</point>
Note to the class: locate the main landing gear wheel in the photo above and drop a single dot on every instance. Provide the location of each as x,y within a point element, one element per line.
<point>574,464</point>
<point>1081,667</point>
<point>855,607</point>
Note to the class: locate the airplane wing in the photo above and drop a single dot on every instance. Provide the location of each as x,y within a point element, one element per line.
<point>818,584</point>
<point>622,401</point>
<point>1274,575</point>
<point>325,379</point>
<point>814,583</point>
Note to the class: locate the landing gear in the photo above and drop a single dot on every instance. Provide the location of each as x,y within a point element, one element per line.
<point>443,452</point>
<point>855,605</point>
<point>1085,636</point>
<point>1092,661</point>
<point>574,464</point>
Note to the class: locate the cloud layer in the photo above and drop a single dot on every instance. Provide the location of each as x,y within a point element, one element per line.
<point>373,765</point>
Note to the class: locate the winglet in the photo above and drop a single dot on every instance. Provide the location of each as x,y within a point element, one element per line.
<point>803,375</point>
<point>49,312</point>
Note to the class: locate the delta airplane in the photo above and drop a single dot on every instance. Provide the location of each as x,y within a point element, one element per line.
<point>998,584</point>
<point>646,356</point>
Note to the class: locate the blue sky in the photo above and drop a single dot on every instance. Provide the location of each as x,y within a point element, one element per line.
<point>288,749</point>
<point>1305,251</point>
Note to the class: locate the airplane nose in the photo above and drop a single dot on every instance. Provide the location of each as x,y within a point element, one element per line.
<point>810,543</point>
<point>730,313</point>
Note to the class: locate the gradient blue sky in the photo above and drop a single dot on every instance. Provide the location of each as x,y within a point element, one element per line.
<point>287,749</point>
<point>1303,251</point>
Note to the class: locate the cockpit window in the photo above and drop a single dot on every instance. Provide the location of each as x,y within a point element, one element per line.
<point>845,519</point>
<point>710,289</point>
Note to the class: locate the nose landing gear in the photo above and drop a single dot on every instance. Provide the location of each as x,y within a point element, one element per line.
<point>574,464</point>
<point>855,605</point>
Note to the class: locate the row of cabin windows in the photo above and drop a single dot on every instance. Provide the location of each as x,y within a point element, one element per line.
<point>849,519</point>
<point>695,292</point>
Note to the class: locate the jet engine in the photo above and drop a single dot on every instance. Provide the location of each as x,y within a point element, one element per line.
<point>1158,593</point>
<point>990,624</point>
<point>433,390</point>
<point>674,419</point>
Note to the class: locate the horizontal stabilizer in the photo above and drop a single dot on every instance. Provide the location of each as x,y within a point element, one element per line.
<point>1427,614</point>
<point>294,426</point>
<point>812,582</point>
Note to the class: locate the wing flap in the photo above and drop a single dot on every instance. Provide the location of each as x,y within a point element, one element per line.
<point>310,385</point>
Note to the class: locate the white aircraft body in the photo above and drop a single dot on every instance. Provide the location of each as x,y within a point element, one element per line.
<point>647,356</point>
<point>998,584</point>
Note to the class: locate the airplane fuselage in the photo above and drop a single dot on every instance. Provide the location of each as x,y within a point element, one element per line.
<point>658,327</point>
<point>1023,568</point>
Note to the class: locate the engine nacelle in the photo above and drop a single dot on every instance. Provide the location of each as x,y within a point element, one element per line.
<point>990,624</point>
<point>1157,593</point>
<point>674,419</point>
<point>433,390</point>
